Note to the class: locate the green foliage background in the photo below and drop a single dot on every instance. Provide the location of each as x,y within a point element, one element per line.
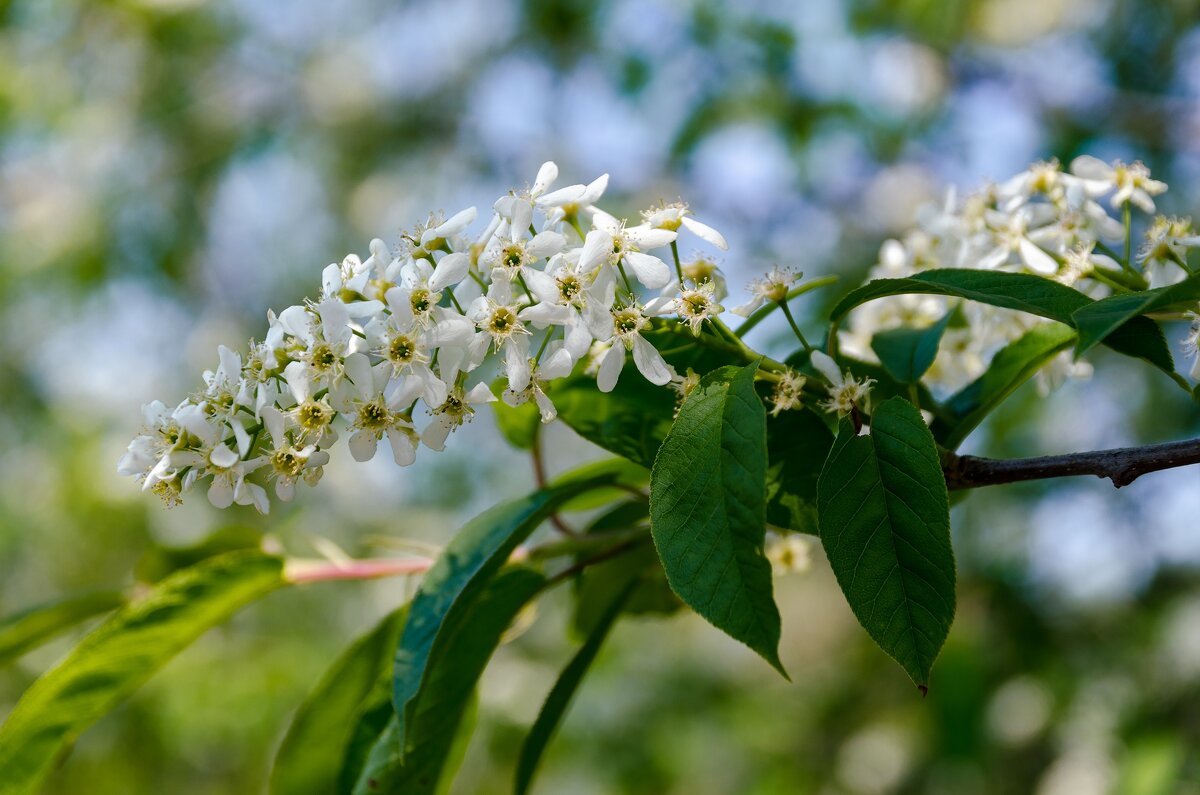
<point>171,168</point>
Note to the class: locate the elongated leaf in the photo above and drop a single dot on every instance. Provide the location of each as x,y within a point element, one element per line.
<point>708,509</point>
<point>31,628</point>
<point>560,696</point>
<point>377,714</point>
<point>1097,321</point>
<point>798,443</point>
<point>885,526</point>
<point>1012,366</point>
<point>411,756</point>
<point>458,577</point>
<point>1139,337</point>
<point>599,585</point>
<point>314,748</point>
<point>120,655</point>
<point>624,473</point>
<point>907,353</point>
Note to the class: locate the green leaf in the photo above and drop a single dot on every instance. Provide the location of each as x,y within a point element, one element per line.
<point>518,424</point>
<point>376,715</point>
<point>599,585</point>
<point>624,475</point>
<point>560,696</point>
<point>798,443</point>
<point>708,509</point>
<point>1098,320</point>
<point>1140,337</point>
<point>115,659</point>
<point>314,748</point>
<point>458,577</point>
<point>907,353</point>
<point>411,756</point>
<point>885,526</point>
<point>631,421</point>
<point>31,628</point>
<point>159,561</point>
<point>1012,366</point>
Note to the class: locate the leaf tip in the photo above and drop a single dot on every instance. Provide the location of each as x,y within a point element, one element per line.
<point>924,690</point>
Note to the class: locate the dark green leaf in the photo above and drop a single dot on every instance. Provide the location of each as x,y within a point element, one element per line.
<point>1097,321</point>
<point>798,443</point>
<point>885,526</point>
<point>31,628</point>
<point>427,732</point>
<point>907,353</point>
<point>624,475</point>
<point>314,749</point>
<point>599,584</point>
<point>120,655</point>
<point>376,715</point>
<point>1140,337</point>
<point>1020,291</point>
<point>631,421</point>
<point>708,509</point>
<point>560,696</point>
<point>1012,366</point>
<point>449,589</point>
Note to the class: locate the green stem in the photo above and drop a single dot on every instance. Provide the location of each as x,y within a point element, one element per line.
<point>792,322</point>
<point>545,341</point>
<point>761,313</point>
<point>525,287</point>
<point>678,266</point>
<point>625,277</point>
<point>454,301</point>
<point>478,279</point>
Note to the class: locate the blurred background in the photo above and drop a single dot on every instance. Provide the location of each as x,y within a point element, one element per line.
<point>169,169</point>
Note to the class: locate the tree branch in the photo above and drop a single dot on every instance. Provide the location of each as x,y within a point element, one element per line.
<point>1122,465</point>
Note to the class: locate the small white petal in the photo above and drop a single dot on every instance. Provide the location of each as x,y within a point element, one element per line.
<point>610,368</point>
<point>450,270</point>
<point>649,270</point>
<point>220,493</point>
<point>221,456</point>
<point>545,178</point>
<point>705,233</point>
<point>403,450</point>
<point>650,362</point>
<point>825,365</point>
<point>362,445</point>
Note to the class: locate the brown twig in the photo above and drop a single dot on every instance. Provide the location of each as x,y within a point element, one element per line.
<point>539,477</point>
<point>1121,465</point>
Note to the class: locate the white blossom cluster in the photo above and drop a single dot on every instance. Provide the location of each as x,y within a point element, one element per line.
<point>409,325</point>
<point>1064,225</point>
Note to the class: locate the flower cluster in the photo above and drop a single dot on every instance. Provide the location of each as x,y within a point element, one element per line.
<point>410,324</point>
<point>1062,225</point>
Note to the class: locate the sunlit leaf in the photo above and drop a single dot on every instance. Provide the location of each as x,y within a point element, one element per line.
<point>120,655</point>
<point>412,755</point>
<point>31,628</point>
<point>885,526</point>
<point>314,748</point>
<point>708,509</point>
<point>559,698</point>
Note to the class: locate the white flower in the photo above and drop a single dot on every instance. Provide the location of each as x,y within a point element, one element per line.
<point>693,305</point>
<point>788,393</point>
<point>627,325</point>
<point>557,364</point>
<point>573,204</point>
<point>1131,183</point>
<point>362,400</point>
<point>773,286</point>
<point>789,554</point>
<point>289,463</point>
<point>845,391</point>
<point>457,409</point>
<point>496,314</point>
<point>672,216</point>
<point>1167,241</point>
<point>1191,344</point>
<point>612,243</point>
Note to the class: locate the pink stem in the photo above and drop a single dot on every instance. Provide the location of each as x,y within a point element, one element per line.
<point>301,571</point>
